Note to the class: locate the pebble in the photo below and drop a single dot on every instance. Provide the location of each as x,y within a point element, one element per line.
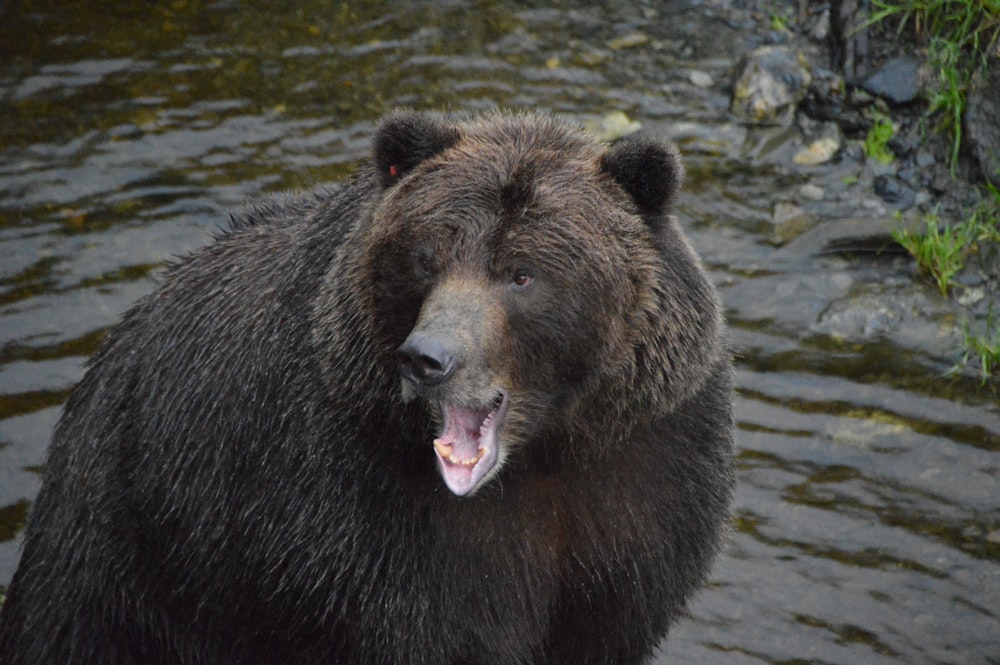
<point>823,143</point>
<point>811,192</point>
<point>924,159</point>
<point>941,182</point>
<point>819,151</point>
<point>613,126</point>
<point>970,296</point>
<point>700,79</point>
<point>630,40</point>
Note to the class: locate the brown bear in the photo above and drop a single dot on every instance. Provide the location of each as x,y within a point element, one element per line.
<point>473,407</point>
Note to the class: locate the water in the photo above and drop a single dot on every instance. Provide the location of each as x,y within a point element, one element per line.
<point>867,522</point>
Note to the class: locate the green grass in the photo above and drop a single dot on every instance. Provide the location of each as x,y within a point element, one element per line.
<point>939,251</point>
<point>983,350</point>
<point>878,137</point>
<point>949,98</point>
<point>959,36</point>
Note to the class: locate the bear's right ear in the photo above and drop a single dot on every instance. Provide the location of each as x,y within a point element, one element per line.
<point>406,138</point>
<point>649,170</point>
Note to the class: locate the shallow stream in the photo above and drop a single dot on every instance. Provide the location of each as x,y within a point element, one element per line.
<point>868,512</point>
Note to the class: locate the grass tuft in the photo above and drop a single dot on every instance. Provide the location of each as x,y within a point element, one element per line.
<point>983,350</point>
<point>940,251</point>
<point>878,137</point>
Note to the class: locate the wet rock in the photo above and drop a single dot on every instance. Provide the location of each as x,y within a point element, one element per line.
<point>982,120</point>
<point>894,191</point>
<point>772,145</point>
<point>613,126</point>
<point>908,174</point>
<point>910,314</point>
<point>811,192</point>
<point>879,166</point>
<point>925,159</point>
<point>772,81</point>
<point>897,81</point>
<point>819,151</point>
<point>821,147</point>
<point>907,139</point>
<point>725,140</point>
<point>970,279</point>
<point>828,104</point>
<point>631,40</point>
<point>788,221</point>
<point>588,55</point>
<point>700,79</point>
<point>941,181</point>
<point>971,296</point>
<point>860,318</point>
<point>864,234</point>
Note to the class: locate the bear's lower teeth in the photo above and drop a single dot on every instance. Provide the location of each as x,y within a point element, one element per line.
<point>444,450</point>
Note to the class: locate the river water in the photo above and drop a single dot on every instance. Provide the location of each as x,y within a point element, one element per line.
<point>867,524</point>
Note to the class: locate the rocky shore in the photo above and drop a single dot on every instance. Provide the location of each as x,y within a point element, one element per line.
<point>817,92</point>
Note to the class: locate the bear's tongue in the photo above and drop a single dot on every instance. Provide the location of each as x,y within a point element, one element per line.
<point>466,449</point>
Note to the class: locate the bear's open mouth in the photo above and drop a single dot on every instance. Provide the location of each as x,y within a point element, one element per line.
<point>467,448</point>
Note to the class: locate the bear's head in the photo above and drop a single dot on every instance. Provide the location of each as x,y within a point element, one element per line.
<point>535,288</point>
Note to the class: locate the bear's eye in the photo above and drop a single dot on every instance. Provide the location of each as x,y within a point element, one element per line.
<point>425,266</point>
<point>522,279</point>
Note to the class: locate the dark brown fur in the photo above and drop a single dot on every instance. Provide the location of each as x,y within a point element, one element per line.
<point>240,478</point>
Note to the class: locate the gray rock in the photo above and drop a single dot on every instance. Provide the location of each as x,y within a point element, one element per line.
<point>894,191</point>
<point>771,83</point>
<point>982,120</point>
<point>907,139</point>
<point>811,192</point>
<point>862,317</point>
<point>924,159</point>
<point>789,221</point>
<point>820,145</point>
<point>941,181</point>
<point>700,78</point>
<point>897,81</point>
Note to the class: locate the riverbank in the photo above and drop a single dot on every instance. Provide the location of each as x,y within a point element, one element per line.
<point>863,107</point>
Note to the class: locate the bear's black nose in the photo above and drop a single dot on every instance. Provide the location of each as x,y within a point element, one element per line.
<point>425,360</point>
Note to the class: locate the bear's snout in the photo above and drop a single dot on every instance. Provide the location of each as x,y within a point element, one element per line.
<point>425,360</point>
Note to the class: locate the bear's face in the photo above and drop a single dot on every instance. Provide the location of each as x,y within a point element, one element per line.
<point>514,277</point>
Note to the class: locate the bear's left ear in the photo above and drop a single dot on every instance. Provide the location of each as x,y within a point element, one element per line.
<point>404,139</point>
<point>649,170</point>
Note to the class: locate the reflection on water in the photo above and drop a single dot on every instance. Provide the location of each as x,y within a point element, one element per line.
<point>868,514</point>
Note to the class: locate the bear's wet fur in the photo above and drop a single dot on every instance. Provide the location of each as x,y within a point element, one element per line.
<point>473,407</point>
